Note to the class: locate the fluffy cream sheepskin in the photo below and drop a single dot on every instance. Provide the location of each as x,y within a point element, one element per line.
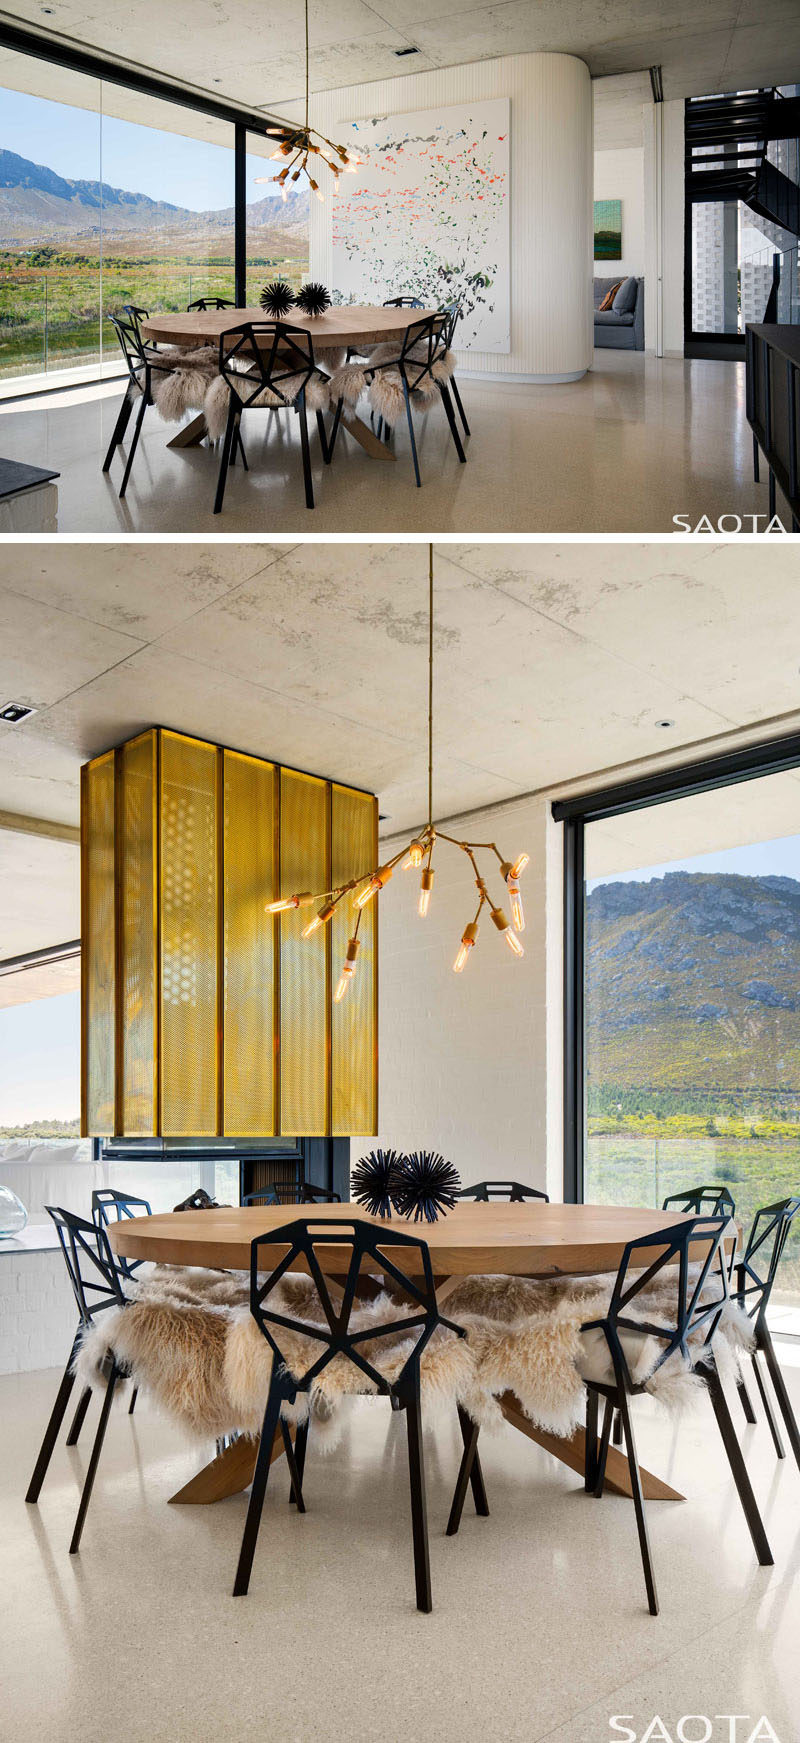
<point>217,397</point>
<point>189,1340</point>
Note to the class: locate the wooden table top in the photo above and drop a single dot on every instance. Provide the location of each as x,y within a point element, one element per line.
<point>354,325</point>
<point>533,1240</point>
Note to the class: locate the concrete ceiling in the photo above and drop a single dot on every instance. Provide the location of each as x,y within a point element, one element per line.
<point>554,662</point>
<point>252,51</point>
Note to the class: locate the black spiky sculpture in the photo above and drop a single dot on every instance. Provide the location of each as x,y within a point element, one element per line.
<point>426,1186</point>
<point>313,299</point>
<point>277,298</point>
<point>374,1179</point>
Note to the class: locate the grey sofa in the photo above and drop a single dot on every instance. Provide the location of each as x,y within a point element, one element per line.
<point>615,330</point>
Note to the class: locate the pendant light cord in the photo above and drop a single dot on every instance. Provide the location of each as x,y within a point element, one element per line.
<point>430,686</point>
<point>306,66</point>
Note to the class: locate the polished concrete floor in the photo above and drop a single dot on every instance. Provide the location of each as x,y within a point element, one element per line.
<point>634,443</point>
<point>539,1628</point>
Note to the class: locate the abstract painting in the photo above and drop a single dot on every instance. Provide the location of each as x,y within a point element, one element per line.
<point>426,215</point>
<point>608,229</point>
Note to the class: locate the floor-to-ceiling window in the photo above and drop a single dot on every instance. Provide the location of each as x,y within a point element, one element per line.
<point>111,196</point>
<point>690,939</point>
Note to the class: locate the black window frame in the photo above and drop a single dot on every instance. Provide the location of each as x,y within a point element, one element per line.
<point>679,781</point>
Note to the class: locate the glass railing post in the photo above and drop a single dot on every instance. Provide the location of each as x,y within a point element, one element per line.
<point>44,325</point>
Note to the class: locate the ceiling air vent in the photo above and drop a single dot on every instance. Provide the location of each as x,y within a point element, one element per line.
<point>403,51</point>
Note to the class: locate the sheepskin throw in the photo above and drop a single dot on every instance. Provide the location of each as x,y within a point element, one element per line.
<point>185,387</point>
<point>284,394</point>
<point>188,1339</point>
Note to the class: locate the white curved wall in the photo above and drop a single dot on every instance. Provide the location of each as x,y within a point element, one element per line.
<point>552,166</point>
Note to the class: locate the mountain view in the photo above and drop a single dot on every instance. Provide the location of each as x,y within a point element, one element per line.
<point>693,987</point>
<point>56,233</point>
<point>36,201</point>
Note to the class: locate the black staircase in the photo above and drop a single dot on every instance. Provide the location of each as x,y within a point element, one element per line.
<point>726,153</point>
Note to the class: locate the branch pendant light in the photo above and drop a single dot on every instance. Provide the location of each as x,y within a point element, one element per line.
<point>297,144</point>
<point>419,852</point>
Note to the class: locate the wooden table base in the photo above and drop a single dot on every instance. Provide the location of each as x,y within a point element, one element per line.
<point>572,1452</point>
<point>192,434</point>
<point>228,1474</point>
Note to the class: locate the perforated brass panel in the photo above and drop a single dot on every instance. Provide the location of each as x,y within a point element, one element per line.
<point>138,851</point>
<point>354,828</point>
<point>303,961</point>
<point>189,937</point>
<point>249,872</point>
<point>98,947</point>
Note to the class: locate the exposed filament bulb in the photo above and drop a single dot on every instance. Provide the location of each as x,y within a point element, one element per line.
<point>416,854</point>
<point>467,944</point>
<point>373,885</point>
<point>501,922</point>
<point>348,970</point>
<point>285,902</point>
<point>319,919</point>
<point>515,899</point>
<point>425,888</point>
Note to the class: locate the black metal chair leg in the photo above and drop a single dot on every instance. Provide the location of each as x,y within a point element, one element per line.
<point>638,1501</point>
<point>755,460</point>
<point>305,452</point>
<point>79,1417</point>
<point>469,1473</point>
<point>91,1472</point>
<point>121,425</point>
<point>590,1445</point>
<point>602,1454</point>
<point>134,1396</point>
<point>226,457</point>
<point>771,494</point>
<point>412,436</point>
<point>746,1401</point>
<point>57,1415</point>
<point>461,412</point>
<point>738,1467</point>
<point>257,1493</point>
<point>295,1479</point>
<point>323,439</point>
<point>301,1446</point>
<point>774,1430</point>
<point>779,1384</point>
<point>451,419</point>
<point>134,444</point>
<point>617,1429</point>
<point>419,1514</point>
<point>337,418</point>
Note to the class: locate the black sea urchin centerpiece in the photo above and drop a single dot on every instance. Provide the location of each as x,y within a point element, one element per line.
<point>313,299</point>
<point>374,1179</point>
<point>426,1186</point>
<point>277,298</point>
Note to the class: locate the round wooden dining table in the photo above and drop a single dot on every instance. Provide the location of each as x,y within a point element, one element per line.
<point>533,1239</point>
<point>360,325</point>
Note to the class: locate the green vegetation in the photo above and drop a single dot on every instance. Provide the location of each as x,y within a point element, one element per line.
<point>50,297</point>
<point>37,1129</point>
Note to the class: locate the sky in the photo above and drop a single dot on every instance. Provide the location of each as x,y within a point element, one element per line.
<point>40,1060</point>
<point>83,146</point>
<point>779,858</point>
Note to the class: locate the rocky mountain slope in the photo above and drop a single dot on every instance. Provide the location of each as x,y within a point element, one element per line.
<point>694,979</point>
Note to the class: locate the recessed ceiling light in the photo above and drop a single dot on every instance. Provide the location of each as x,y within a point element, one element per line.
<point>403,51</point>
<point>13,712</point>
<point>664,724</point>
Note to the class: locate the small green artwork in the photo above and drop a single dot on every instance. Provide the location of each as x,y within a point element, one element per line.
<point>608,229</point>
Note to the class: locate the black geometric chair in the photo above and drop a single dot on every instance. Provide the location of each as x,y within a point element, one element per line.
<point>453,313</point>
<point>511,1190</point>
<point>308,1240</point>
<point>404,303</point>
<point>97,1284</point>
<point>693,1320</point>
<point>269,365</point>
<point>202,303</point>
<point>702,1201</point>
<point>265,1195</point>
<point>305,1195</point>
<point>119,1204</point>
<point>142,362</point>
<point>423,345</point>
<point>752,1281</point>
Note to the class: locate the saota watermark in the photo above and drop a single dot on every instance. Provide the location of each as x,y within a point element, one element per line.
<point>695,1728</point>
<point>729,523</point>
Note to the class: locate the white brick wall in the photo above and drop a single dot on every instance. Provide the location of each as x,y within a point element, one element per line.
<point>38,1315</point>
<point>470,1064</point>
